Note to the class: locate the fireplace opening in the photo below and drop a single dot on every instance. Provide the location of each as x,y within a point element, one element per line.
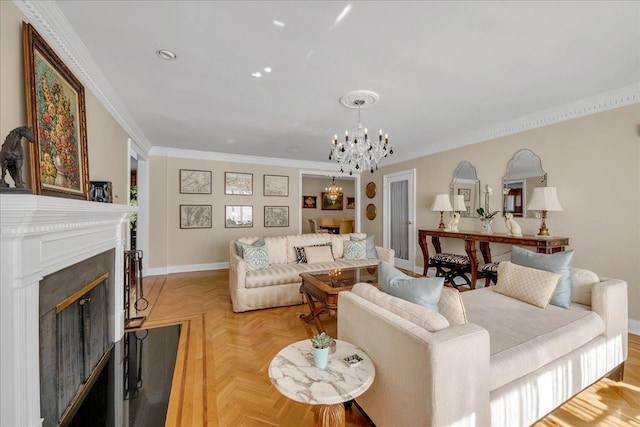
<point>76,323</point>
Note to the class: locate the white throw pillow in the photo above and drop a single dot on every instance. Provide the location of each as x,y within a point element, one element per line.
<point>582,282</point>
<point>526,284</point>
<point>317,254</point>
<point>452,307</point>
<point>430,320</point>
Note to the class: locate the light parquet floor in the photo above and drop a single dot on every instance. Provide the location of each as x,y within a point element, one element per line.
<point>221,375</point>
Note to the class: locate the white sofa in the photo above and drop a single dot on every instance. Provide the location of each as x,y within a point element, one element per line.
<point>510,365</point>
<point>279,285</point>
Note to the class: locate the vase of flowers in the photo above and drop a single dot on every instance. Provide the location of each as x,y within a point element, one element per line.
<point>486,215</point>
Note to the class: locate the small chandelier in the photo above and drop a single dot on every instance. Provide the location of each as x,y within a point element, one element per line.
<point>333,190</point>
<point>359,152</point>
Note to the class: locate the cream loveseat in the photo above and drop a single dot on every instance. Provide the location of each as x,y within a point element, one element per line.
<point>510,365</point>
<point>279,284</point>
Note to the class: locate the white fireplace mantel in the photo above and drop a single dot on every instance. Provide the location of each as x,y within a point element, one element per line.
<point>40,235</point>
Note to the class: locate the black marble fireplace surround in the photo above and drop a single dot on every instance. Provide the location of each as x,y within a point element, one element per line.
<point>74,335</point>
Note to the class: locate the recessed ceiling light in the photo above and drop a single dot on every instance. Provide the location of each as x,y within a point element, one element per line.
<point>278,23</point>
<point>267,69</point>
<point>166,54</point>
<point>257,74</point>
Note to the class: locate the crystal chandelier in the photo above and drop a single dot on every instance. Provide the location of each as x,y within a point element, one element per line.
<point>358,151</point>
<point>333,190</point>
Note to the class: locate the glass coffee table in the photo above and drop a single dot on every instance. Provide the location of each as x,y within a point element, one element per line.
<point>321,288</point>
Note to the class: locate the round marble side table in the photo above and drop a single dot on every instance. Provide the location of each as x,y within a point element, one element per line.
<point>292,373</point>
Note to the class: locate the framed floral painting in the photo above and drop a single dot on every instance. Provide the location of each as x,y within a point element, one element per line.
<point>56,113</point>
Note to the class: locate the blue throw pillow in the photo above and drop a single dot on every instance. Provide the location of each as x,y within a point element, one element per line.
<point>560,263</point>
<point>424,291</point>
<point>240,246</point>
<point>370,246</point>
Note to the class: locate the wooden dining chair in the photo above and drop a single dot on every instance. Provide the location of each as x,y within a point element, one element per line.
<point>346,226</point>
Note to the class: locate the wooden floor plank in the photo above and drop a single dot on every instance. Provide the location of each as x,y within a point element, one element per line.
<point>221,375</point>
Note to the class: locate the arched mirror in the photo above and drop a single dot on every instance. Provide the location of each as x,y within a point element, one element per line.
<point>466,183</point>
<point>524,173</point>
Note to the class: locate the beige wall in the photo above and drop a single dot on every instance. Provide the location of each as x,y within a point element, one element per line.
<point>170,246</point>
<point>107,141</point>
<point>594,161</point>
<point>315,187</point>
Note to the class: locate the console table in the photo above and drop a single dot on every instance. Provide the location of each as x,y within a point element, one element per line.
<point>543,245</point>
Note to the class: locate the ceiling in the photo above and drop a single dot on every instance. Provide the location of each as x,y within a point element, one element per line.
<point>442,69</point>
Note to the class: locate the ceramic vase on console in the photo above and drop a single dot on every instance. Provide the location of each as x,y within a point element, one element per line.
<point>321,357</point>
<point>487,224</point>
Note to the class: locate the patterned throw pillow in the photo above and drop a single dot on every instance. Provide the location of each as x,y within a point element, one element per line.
<point>526,284</point>
<point>301,256</point>
<point>256,257</point>
<point>355,250</point>
<point>370,246</point>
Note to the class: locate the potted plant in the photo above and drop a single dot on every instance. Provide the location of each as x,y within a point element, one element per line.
<point>321,344</point>
<point>486,216</point>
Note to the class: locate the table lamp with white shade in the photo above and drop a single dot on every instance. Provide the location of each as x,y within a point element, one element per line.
<point>442,204</point>
<point>458,203</point>
<point>544,199</point>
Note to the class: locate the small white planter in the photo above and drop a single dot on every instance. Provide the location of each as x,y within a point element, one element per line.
<point>321,357</point>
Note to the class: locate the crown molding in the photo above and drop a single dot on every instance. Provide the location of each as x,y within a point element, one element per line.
<point>180,153</point>
<point>50,22</point>
<point>595,104</point>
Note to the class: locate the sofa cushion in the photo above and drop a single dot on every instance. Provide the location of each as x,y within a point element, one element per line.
<point>240,246</point>
<point>530,285</point>
<point>560,263</point>
<point>424,291</point>
<point>524,337</point>
<point>256,257</point>
<point>430,320</point>
<point>277,247</point>
<point>337,242</point>
<point>452,307</point>
<point>582,282</point>
<point>370,245</point>
<point>316,254</point>
<point>355,250</point>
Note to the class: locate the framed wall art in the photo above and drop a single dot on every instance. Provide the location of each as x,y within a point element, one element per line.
<point>238,216</point>
<point>238,183</point>
<point>276,185</point>
<point>56,113</point>
<point>276,216</point>
<point>195,181</point>
<point>332,205</point>
<point>195,216</point>
<point>309,202</point>
<point>351,202</point>
<point>101,191</point>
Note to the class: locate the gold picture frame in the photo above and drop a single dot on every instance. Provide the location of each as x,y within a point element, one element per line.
<point>56,113</point>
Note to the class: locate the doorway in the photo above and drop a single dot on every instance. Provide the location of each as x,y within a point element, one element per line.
<point>399,213</point>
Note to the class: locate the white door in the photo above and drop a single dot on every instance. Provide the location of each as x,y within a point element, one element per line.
<point>399,214</point>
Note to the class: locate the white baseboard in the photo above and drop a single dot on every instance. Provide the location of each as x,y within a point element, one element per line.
<point>634,327</point>
<point>161,271</point>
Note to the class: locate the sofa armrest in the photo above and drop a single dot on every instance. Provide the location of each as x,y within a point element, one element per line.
<point>237,277</point>
<point>424,371</point>
<point>386,255</point>
<point>609,299</point>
